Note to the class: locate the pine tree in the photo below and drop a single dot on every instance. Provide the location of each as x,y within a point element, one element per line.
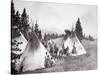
<point>17,24</point>
<point>78,29</point>
<point>38,31</point>
<point>12,17</point>
<point>12,12</point>
<point>24,20</point>
<point>15,21</point>
<point>36,27</point>
<point>24,27</point>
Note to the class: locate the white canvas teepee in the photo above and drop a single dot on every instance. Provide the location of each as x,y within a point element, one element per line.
<point>73,43</point>
<point>34,55</point>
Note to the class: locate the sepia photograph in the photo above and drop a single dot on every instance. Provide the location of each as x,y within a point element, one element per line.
<point>52,37</point>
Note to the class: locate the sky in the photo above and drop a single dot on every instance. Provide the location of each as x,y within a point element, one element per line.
<point>56,17</point>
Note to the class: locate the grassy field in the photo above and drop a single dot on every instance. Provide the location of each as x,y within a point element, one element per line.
<point>79,63</point>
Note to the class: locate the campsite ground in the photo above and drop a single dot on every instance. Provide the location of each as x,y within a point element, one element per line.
<point>83,62</point>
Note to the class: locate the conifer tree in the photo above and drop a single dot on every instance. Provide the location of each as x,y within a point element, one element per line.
<point>24,27</point>
<point>38,31</point>
<point>24,21</point>
<point>79,30</point>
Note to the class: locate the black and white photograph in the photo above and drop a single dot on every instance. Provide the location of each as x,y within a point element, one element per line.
<point>52,37</point>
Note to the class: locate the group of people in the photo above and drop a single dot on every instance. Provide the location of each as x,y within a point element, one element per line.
<point>54,50</point>
<point>51,47</point>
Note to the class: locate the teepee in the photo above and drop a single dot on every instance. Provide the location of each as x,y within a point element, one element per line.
<point>34,55</point>
<point>74,45</point>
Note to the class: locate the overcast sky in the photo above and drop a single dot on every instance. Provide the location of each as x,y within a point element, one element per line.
<point>56,17</point>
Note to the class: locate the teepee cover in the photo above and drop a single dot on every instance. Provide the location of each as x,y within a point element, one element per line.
<point>72,42</point>
<point>34,55</point>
